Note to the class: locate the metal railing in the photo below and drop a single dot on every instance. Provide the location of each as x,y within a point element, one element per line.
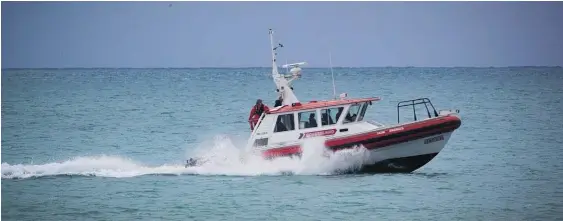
<point>413,103</point>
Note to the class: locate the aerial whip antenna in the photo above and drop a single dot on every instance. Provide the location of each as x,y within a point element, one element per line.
<point>332,73</point>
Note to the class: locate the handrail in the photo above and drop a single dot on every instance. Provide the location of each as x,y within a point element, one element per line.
<point>413,103</point>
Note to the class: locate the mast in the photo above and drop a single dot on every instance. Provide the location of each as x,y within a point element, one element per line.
<point>279,79</point>
<point>275,72</point>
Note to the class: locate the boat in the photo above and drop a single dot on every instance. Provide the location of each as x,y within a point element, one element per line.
<point>398,148</point>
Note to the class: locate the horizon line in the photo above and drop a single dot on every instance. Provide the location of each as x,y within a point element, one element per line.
<point>260,67</point>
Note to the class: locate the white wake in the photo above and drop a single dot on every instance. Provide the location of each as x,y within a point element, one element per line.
<point>222,158</point>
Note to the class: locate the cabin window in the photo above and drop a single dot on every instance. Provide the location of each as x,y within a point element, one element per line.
<point>261,142</point>
<point>307,119</point>
<point>363,112</point>
<point>285,122</point>
<point>352,113</point>
<point>331,115</point>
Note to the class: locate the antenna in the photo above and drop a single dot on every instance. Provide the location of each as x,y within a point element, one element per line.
<point>332,73</point>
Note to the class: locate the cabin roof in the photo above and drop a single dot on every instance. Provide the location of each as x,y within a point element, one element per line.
<point>319,104</point>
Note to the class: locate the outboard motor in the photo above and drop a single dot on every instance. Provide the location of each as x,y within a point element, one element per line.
<point>191,162</point>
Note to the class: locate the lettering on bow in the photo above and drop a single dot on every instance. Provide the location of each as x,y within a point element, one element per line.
<point>434,139</point>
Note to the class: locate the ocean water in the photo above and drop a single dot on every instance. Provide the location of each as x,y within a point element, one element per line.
<point>109,144</point>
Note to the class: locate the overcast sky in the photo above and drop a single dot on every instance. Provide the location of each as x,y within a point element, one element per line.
<point>235,34</point>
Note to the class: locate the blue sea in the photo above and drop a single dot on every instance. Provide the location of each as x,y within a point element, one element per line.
<point>109,144</point>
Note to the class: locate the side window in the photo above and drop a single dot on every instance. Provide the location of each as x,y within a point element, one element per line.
<point>261,142</point>
<point>330,116</point>
<point>285,122</point>
<point>307,119</point>
<point>352,113</point>
<point>363,112</point>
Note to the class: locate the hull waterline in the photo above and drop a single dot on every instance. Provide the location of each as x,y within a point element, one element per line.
<point>403,152</point>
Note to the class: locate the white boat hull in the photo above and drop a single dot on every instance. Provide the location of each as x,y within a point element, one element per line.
<point>404,157</point>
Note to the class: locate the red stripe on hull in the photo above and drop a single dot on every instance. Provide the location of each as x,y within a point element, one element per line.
<point>376,139</point>
<point>407,138</point>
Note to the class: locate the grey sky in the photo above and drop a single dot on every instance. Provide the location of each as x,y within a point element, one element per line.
<point>235,34</point>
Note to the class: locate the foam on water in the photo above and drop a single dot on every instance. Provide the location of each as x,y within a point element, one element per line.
<point>223,158</point>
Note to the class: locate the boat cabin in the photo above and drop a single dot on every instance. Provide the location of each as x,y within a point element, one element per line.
<point>288,124</point>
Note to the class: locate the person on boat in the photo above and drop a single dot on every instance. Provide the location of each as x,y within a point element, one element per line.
<point>350,118</point>
<point>256,112</point>
<point>312,121</point>
<point>280,126</point>
<point>324,119</point>
<point>278,101</point>
<point>339,113</point>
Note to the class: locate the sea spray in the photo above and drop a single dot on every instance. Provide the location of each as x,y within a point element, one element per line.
<point>222,157</point>
<point>315,158</point>
<point>104,166</point>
